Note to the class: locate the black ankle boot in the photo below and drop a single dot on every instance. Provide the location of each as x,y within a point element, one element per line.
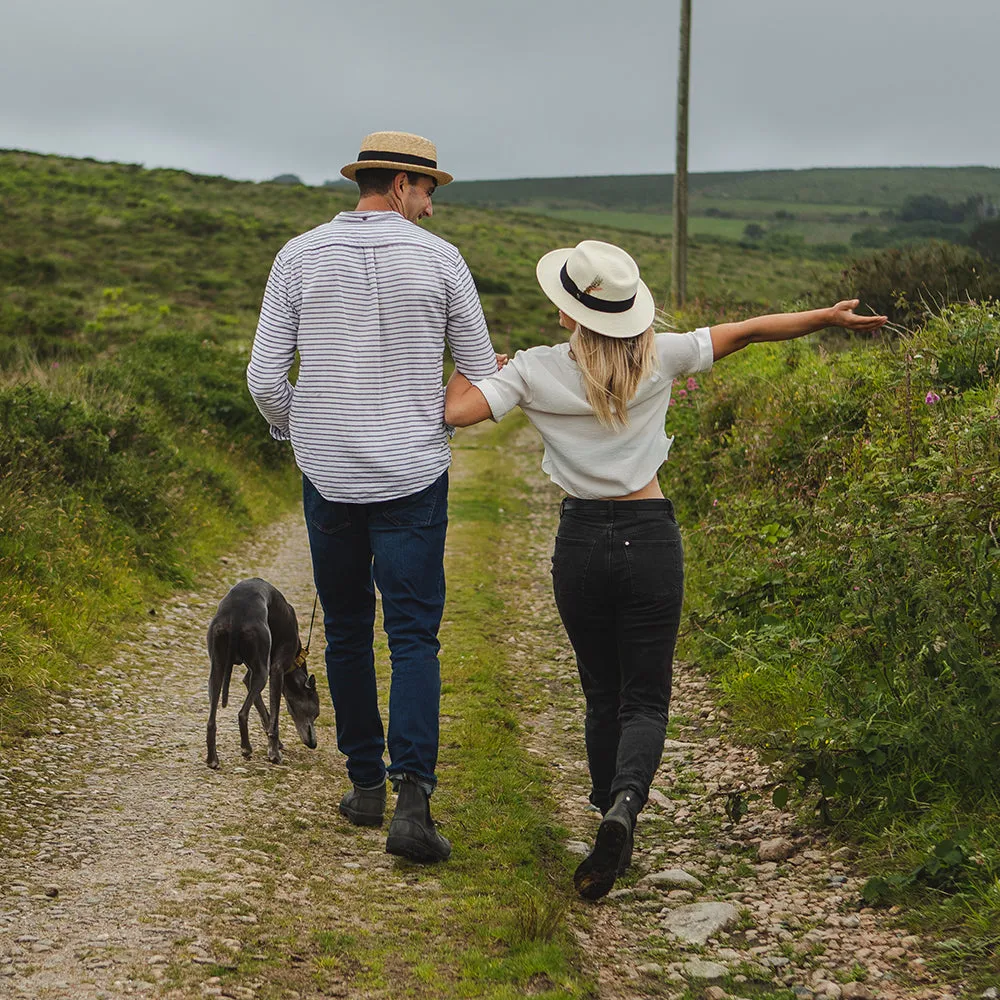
<point>412,833</point>
<point>364,806</point>
<point>612,851</point>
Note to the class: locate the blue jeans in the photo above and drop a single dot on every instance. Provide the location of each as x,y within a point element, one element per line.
<point>398,546</point>
<point>618,576</point>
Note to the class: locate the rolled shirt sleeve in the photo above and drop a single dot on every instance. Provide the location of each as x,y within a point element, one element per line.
<point>685,353</point>
<point>466,332</point>
<point>274,351</point>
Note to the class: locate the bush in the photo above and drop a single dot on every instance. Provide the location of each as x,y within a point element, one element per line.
<point>845,572</point>
<point>909,284</point>
<point>985,240</point>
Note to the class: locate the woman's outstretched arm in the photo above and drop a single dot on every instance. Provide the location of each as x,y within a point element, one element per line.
<point>728,338</point>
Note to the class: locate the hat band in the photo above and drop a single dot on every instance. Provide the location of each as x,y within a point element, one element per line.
<point>404,158</point>
<point>590,301</point>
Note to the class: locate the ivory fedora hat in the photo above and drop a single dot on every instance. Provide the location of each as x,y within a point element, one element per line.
<point>397,151</point>
<point>598,285</point>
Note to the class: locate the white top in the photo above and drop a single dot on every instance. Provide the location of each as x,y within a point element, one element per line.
<point>582,456</point>
<point>368,301</point>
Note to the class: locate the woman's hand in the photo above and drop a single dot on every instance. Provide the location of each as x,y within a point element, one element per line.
<point>843,315</point>
<point>502,359</point>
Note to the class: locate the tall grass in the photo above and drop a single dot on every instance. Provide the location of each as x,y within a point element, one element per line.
<point>844,571</point>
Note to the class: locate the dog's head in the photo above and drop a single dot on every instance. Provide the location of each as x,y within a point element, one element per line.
<point>302,700</point>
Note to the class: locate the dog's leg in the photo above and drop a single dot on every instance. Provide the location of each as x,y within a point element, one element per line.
<point>214,690</point>
<point>258,678</point>
<point>265,719</point>
<point>276,677</point>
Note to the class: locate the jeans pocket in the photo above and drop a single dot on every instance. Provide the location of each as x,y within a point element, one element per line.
<point>418,510</point>
<point>322,514</point>
<point>571,561</point>
<point>655,567</point>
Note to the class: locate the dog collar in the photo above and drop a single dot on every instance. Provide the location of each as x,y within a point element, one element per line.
<point>300,659</point>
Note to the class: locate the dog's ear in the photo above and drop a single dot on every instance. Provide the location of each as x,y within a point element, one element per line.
<point>311,683</point>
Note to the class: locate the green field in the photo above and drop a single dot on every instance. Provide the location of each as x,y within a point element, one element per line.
<point>813,231</point>
<point>870,187</point>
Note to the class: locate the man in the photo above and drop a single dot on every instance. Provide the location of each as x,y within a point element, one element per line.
<point>369,300</point>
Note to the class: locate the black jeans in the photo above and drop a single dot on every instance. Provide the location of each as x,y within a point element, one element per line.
<point>618,576</point>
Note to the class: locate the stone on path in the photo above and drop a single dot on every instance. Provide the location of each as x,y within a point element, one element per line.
<point>777,849</point>
<point>856,991</point>
<point>672,878</point>
<point>695,923</point>
<point>698,968</point>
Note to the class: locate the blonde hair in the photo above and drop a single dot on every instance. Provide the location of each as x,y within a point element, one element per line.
<point>612,369</point>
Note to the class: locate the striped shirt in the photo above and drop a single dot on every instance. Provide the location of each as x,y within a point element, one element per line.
<point>368,300</point>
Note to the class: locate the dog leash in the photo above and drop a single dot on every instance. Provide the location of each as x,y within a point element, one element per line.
<point>300,660</point>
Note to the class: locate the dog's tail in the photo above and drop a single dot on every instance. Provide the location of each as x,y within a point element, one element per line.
<point>228,672</point>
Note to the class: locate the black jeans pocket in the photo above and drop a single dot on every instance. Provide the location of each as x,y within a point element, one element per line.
<point>655,567</point>
<point>571,561</point>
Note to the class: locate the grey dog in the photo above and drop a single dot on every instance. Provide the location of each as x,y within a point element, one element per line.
<point>256,626</point>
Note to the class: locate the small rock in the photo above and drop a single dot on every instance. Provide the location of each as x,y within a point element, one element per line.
<point>856,991</point>
<point>698,968</point>
<point>650,969</point>
<point>697,922</point>
<point>991,994</point>
<point>577,847</point>
<point>827,990</point>
<point>673,878</point>
<point>715,993</point>
<point>777,849</point>
<point>52,891</point>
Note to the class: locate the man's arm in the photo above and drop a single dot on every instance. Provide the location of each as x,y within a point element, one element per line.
<point>466,332</point>
<point>728,338</point>
<point>464,404</point>
<point>273,353</point>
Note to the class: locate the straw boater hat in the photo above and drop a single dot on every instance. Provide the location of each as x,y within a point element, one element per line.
<point>598,285</point>
<point>397,151</point>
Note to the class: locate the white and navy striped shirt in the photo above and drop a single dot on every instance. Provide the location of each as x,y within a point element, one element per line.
<point>368,301</point>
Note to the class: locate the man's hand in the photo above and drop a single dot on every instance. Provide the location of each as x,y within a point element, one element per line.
<point>843,315</point>
<point>502,359</point>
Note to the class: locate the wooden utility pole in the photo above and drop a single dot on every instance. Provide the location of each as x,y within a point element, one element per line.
<point>679,247</point>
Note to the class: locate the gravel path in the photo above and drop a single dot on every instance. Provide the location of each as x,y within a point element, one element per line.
<point>129,868</point>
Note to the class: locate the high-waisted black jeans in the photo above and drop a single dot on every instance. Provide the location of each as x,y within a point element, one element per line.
<point>618,576</point>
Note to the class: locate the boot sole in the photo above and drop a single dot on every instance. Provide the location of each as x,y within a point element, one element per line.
<point>404,845</point>
<point>597,872</point>
<point>362,819</point>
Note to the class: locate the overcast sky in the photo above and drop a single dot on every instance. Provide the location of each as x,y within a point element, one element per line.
<point>253,88</point>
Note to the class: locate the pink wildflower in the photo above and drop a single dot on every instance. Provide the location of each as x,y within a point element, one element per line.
<point>682,393</point>
<point>692,384</point>
<point>932,397</point>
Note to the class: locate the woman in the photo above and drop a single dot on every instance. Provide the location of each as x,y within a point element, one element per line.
<point>600,404</point>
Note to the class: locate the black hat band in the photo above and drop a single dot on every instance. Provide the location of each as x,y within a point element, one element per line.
<point>403,158</point>
<point>598,305</point>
